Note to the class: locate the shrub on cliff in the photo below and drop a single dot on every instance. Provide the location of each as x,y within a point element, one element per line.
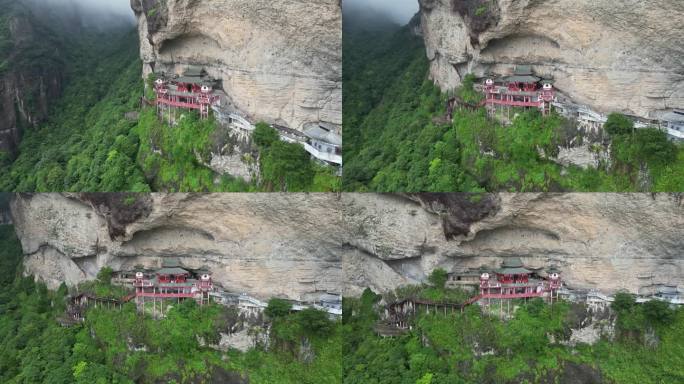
<point>438,277</point>
<point>277,308</point>
<point>314,322</point>
<point>658,312</point>
<point>286,167</point>
<point>264,136</point>
<point>618,124</point>
<point>105,275</point>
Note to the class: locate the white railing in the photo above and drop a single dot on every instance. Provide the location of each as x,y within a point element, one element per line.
<point>288,139</point>
<point>329,157</point>
<point>253,301</point>
<point>675,133</point>
<point>331,311</point>
<point>599,295</point>
<point>241,122</point>
<point>245,125</point>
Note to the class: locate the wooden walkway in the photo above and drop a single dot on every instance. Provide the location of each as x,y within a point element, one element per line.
<point>455,101</point>
<point>78,305</point>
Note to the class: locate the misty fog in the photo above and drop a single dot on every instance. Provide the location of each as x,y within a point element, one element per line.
<point>399,11</point>
<point>99,14</point>
<point>114,8</point>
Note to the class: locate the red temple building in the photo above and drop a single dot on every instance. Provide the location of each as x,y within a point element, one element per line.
<point>172,282</point>
<point>194,90</point>
<point>514,281</point>
<point>523,90</point>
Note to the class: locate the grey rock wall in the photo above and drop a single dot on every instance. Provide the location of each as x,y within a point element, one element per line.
<point>280,60</point>
<point>300,245</point>
<point>612,55</point>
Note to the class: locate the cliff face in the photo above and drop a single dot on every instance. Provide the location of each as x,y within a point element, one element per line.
<point>605,241</point>
<point>263,244</point>
<point>280,61</point>
<point>298,245</point>
<point>613,55</point>
<point>26,83</point>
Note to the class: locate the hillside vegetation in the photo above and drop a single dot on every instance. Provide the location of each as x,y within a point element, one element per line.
<point>88,144</point>
<point>471,347</point>
<point>125,346</point>
<point>397,139</point>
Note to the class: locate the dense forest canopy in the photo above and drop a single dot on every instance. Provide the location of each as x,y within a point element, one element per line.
<point>125,346</point>
<point>89,144</point>
<point>531,347</point>
<point>397,137</point>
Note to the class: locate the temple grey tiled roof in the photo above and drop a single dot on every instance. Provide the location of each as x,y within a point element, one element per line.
<point>513,271</point>
<point>173,271</point>
<point>522,79</point>
<point>512,266</point>
<point>329,297</point>
<point>196,80</point>
<point>668,289</point>
<point>318,133</point>
<point>676,116</point>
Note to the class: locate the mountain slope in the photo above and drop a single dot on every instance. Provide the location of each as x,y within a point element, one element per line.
<point>87,143</point>
<point>398,137</point>
<point>32,68</point>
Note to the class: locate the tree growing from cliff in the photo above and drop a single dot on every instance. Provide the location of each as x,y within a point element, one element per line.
<point>10,254</point>
<point>438,278</point>
<point>314,322</point>
<point>623,302</point>
<point>618,124</point>
<point>277,308</point>
<point>286,167</point>
<point>658,312</point>
<point>105,275</point>
<point>264,136</point>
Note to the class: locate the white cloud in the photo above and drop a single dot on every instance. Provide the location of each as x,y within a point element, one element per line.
<point>113,8</point>
<point>400,11</point>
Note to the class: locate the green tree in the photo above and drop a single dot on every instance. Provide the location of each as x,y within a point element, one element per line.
<point>654,148</point>
<point>314,322</point>
<point>618,124</point>
<point>426,379</point>
<point>264,136</point>
<point>623,302</point>
<point>658,312</point>
<point>286,167</point>
<point>277,308</point>
<point>438,277</point>
<point>105,275</point>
